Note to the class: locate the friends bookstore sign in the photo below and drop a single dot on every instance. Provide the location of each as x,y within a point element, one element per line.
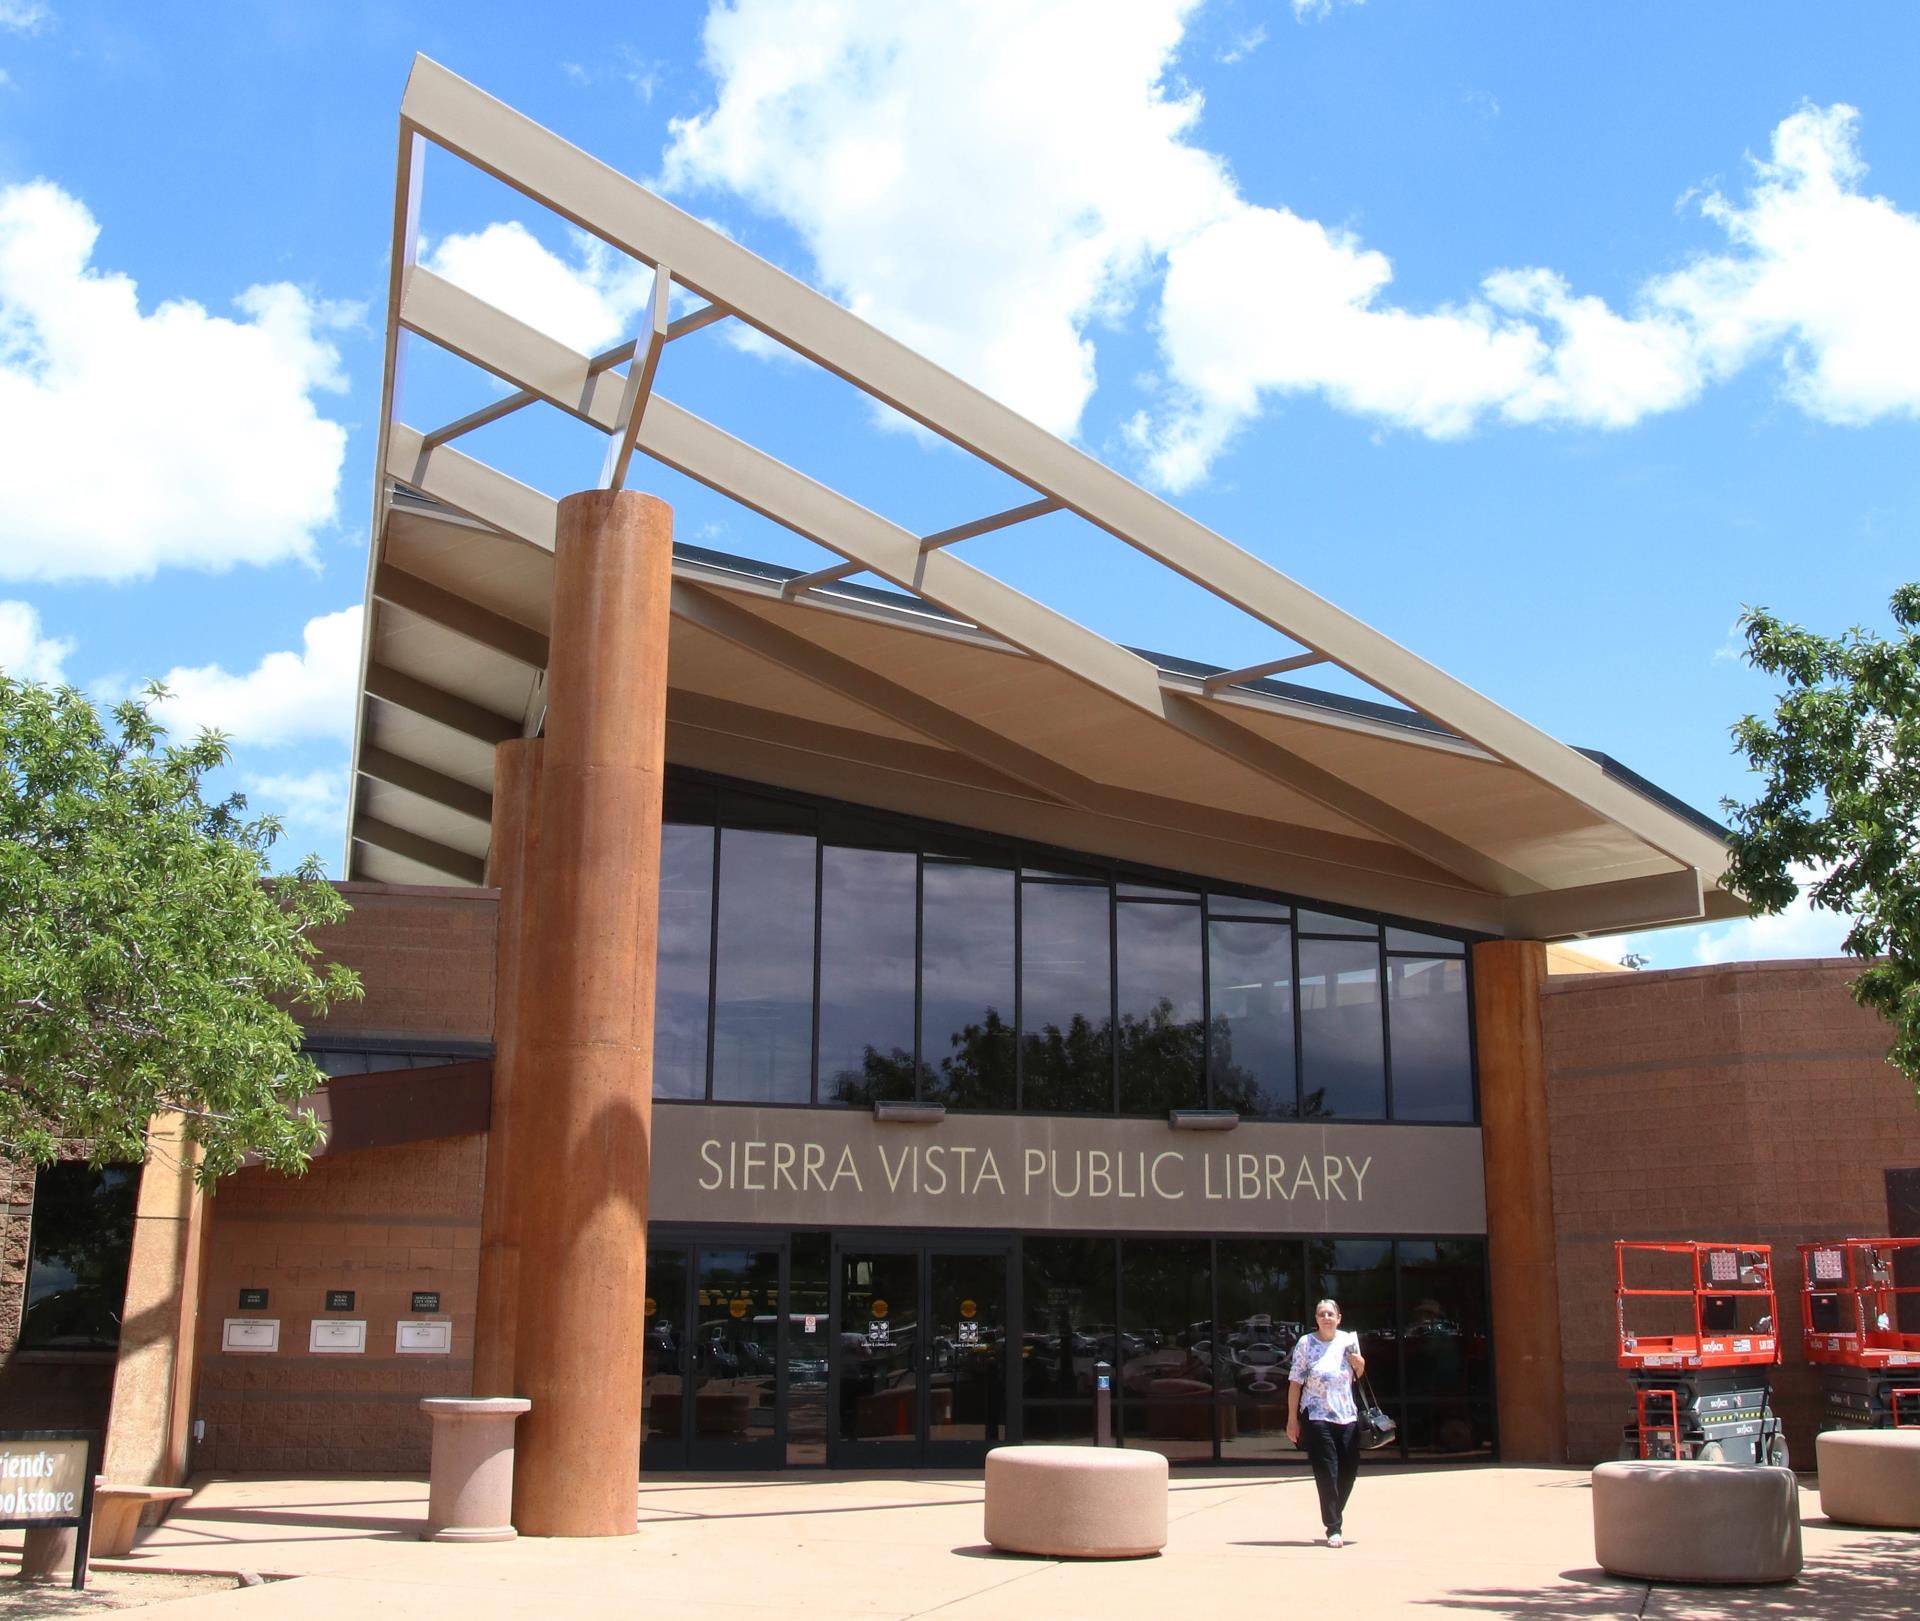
<point>815,1167</point>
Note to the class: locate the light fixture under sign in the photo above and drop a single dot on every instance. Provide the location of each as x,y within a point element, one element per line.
<point>904,1113</point>
<point>1203,1119</point>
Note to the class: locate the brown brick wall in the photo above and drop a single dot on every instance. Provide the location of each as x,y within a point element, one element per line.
<point>1750,1101</point>
<point>382,1222</point>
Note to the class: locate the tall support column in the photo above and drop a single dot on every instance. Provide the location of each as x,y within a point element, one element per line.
<point>516,834</point>
<point>1524,1272</point>
<point>579,1158</point>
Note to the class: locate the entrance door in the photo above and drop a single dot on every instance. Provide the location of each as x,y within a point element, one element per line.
<point>712,1378</point>
<point>923,1356</point>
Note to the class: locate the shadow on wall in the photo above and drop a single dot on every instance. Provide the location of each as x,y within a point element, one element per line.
<point>1868,1577</point>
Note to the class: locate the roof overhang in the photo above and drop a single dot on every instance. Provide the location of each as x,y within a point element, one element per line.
<point>952,695</point>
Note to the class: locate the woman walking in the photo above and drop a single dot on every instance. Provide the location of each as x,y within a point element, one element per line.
<point>1320,1401</point>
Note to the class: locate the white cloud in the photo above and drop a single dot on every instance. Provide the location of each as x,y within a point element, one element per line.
<point>589,302</point>
<point>1243,45</point>
<point>301,799</point>
<point>1317,10</point>
<point>285,698</point>
<point>26,652</point>
<point>953,184</point>
<point>141,440</point>
<point>24,16</point>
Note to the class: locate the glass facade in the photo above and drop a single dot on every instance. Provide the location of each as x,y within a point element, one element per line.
<point>81,1238</point>
<point>815,953</point>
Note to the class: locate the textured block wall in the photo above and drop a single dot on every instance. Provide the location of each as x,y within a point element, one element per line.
<point>1750,1101</point>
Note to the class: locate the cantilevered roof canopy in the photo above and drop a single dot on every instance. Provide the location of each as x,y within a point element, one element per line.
<point>954,695</point>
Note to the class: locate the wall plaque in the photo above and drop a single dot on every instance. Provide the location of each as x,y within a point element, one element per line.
<point>338,1336</point>
<point>426,1300</point>
<point>257,1336</point>
<point>253,1300</point>
<point>423,1337</point>
<point>339,1300</point>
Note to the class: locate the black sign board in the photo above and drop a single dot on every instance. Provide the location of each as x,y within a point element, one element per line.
<point>48,1483</point>
<point>253,1300</point>
<point>339,1300</point>
<point>426,1300</point>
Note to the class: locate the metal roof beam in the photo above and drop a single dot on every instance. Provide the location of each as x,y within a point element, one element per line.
<point>697,321</point>
<point>1259,672</point>
<point>928,543</point>
<point>466,619</point>
<point>1626,903</point>
<point>439,706</point>
<point>639,389</point>
<point>449,793</point>
<point>455,864</point>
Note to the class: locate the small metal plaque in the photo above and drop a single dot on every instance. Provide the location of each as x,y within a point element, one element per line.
<point>257,1336</point>
<point>253,1300</point>
<point>339,1300</point>
<point>426,1300</point>
<point>339,1336</point>
<point>431,1336</point>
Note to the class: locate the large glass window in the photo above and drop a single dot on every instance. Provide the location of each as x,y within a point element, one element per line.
<point>763,972</point>
<point>866,974</point>
<point>1262,1313</point>
<point>1166,1370</point>
<point>683,982</point>
<point>1250,1047</point>
<point>1446,1363</point>
<point>1068,1299</point>
<point>82,1234</point>
<point>1343,1069</point>
<point>1162,1026</point>
<point>966,985</point>
<point>1427,1028</point>
<point>1357,1273</point>
<point>1066,998</point>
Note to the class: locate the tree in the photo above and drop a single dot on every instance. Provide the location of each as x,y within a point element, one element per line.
<point>148,963</point>
<point>1840,761</point>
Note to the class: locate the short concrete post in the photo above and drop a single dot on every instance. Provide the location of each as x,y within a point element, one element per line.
<point>47,1553</point>
<point>470,1498</point>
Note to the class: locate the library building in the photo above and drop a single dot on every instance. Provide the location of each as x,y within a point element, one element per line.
<point>858,1016</point>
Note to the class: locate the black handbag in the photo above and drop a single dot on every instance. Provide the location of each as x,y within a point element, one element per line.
<point>1377,1428</point>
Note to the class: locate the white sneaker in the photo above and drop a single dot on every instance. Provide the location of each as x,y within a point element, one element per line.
<point>1334,1541</point>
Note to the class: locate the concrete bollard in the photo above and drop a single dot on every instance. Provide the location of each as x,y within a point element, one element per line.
<point>470,1497</point>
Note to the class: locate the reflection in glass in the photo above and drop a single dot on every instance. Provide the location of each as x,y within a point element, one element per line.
<point>1066,999</point>
<point>763,985</point>
<point>1328,923</point>
<point>734,1344</point>
<point>1432,1054</point>
<point>1250,1054</point>
<point>966,993</point>
<point>1358,1274</point>
<point>1243,906</point>
<point>1166,1370</point>
<point>1162,1015</point>
<point>1446,1369</point>
<point>664,1361</point>
<point>1068,1298</point>
<point>81,1237</point>
<point>1432,945</point>
<point>879,1331</point>
<point>866,974</point>
<point>682,982</point>
<point>805,1348</point>
<point>967,1348</point>
<point>1342,1055</point>
<point>1263,1310</point>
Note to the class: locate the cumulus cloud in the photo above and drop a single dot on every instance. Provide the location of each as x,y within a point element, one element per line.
<point>142,439</point>
<point>24,16</point>
<point>27,653</point>
<point>301,799</point>
<point>589,301</point>
<point>287,697</point>
<point>950,182</point>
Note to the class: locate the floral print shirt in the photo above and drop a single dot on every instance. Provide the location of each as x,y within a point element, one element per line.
<point>1326,1381</point>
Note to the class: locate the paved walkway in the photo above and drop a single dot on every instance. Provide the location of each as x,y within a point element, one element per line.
<point>1486,1541</point>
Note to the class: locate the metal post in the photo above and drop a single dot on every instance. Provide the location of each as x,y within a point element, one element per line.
<point>1102,1404</point>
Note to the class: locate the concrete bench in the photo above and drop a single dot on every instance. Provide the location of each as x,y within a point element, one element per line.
<point>1667,1521</point>
<point>1870,1477</point>
<point>1076,1502</point>
<point>116,1514</point>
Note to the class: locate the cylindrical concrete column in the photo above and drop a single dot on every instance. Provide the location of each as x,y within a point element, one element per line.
<point>1522,1261</point>
<point>516,834</point>
<point>580,1149</point>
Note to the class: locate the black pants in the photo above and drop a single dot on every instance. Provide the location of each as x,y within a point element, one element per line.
<point>1334,1452</point>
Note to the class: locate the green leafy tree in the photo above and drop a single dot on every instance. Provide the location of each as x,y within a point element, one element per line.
<point>1840,766</point>
<point>148,963</point>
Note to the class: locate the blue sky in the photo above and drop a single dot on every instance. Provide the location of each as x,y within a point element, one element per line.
<point>1541,338</point>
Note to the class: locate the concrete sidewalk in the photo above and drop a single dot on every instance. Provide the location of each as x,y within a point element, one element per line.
<point>1482,1541</point>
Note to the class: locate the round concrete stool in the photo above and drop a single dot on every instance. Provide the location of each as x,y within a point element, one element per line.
<point>1076,1502</point>
<point>1870,1477</point>
<point>1667,1521</point>
<point>470,1498</point>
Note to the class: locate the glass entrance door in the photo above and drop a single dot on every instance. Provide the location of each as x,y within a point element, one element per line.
<point>921,1355</point>
<point>712,1389</point>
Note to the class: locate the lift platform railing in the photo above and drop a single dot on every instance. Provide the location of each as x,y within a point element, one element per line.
<point>1855,1310</point>
<point>1716,1279</point>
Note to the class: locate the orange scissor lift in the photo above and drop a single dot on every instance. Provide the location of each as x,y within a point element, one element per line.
<point>1697,1338</point>
<point>1854,1307</point>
